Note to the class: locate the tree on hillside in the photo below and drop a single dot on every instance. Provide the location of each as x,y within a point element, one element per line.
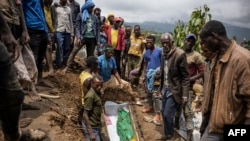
<point>197,19</point>
<point>245,43</point>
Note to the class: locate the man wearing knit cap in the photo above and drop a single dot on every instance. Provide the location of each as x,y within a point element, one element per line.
<point>196,72</point>
<point>174,83</point>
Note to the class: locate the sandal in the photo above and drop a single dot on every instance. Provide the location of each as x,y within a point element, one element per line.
<point>32,135</point>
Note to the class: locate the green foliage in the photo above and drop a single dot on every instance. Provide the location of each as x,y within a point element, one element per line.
<point>246,44</point>
<point>197,19</point>
<point>156,34</point>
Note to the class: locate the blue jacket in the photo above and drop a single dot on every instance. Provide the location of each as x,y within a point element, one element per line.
<point>82,26</point>
<point>34,15</point>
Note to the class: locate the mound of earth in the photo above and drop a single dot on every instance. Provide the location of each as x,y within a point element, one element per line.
<point>58,118</point>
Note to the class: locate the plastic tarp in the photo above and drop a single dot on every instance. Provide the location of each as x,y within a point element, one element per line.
<point>111,118</point>
<point>124,127</point>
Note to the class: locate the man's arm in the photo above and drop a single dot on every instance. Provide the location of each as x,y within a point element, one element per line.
<point>184,75</point>
<point>86,85</point>
<point>25,38</point>
<point>117,76</point>
<point>71,23</point>
<point>6,36</point>
<point>145,68</point>
<point>200,74</point>
<point>199,67</point>
<point>243,83</point>
<point>122,40</point>
<point>89,101</point>
<point>97,31</point>
<point>78,27</point>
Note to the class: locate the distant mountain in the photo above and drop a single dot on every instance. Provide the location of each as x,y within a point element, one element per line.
<point>239,32</point>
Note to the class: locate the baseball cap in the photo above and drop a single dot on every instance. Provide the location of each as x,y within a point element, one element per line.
<point>191,36</point>
<point>117,19</point>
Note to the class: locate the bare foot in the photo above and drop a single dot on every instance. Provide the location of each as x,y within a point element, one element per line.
<point>51,73</point>
<point>64,71</point>
<point>32,135</point>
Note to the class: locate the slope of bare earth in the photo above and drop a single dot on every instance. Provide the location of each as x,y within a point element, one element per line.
<point>58,118</point>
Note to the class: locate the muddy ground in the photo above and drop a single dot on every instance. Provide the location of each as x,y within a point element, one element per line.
<point>58,117</point>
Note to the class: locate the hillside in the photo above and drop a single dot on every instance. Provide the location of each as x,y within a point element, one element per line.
<point>239,32</point>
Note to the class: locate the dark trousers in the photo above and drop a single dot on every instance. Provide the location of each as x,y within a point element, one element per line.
<point>90,46</point>
<point>11,96</point>
<point>211,136</point>
<point>38,45</point>
<point>96,132</point>
<point>10,109</point>
<point>169,107</point>
<point>117,55</point>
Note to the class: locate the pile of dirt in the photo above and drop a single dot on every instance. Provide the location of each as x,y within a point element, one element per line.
<point>116,95</point>
<point>58,118</point>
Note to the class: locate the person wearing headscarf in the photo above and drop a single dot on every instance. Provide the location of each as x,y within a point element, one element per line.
<point>87,32</point>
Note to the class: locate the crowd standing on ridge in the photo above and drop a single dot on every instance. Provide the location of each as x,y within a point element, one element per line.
<point>178,82</point>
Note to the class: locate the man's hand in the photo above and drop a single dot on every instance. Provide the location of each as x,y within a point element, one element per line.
<point>92,136</point>
<point>78,42</point>
<point>71,39</point>
<point>121,85</point>
<point>184,100</point>
<point>98,44</point>
<point>25,38</point>
<point>11,44</point>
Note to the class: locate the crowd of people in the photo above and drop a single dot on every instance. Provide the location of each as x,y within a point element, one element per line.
<point>179,80</point>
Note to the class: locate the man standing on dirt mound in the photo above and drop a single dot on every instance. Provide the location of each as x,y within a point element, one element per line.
<point>92,110</point>
<point>152,62</point>
<point>12,95</point>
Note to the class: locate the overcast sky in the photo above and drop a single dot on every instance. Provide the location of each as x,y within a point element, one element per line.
<point>234,12</point>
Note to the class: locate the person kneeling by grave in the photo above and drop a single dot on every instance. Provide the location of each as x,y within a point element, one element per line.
<point>112,80</point>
